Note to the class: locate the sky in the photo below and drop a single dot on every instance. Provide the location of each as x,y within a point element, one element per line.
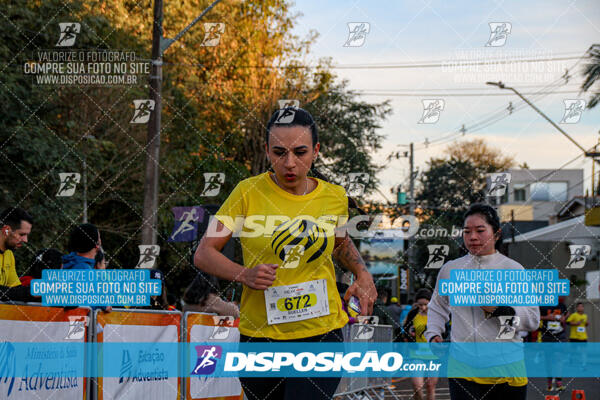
<point>442,33</point>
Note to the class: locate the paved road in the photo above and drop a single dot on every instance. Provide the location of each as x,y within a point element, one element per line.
<point>536,389</point>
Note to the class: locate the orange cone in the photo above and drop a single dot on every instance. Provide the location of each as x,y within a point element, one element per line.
<point>577,394</point>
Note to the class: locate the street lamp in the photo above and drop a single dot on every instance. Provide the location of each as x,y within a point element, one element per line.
<point>592,154</point>
<point>503,86</point>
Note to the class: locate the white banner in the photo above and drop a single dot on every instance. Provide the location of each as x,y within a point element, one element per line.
<point>204,328</point>
<point>41,372</point>
<point>126,327</point>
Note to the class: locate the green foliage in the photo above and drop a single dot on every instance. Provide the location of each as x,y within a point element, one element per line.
<point>591,71</point>
<point>216,103</point>
<point>449,185</point>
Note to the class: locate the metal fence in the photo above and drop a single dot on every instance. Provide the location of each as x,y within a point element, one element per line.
<point>365,387</point>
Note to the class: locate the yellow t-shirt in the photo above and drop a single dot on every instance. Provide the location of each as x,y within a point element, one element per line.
<point>420,324</point>
<point>578,331</point>
<point>515,368</point>
<point>422,351</point>
<point>8,273</point>
<point>254,210</point>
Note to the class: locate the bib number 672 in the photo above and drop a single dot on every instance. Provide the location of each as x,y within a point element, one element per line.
<point>296,302</point>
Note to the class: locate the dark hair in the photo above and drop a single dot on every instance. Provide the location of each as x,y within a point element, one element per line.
<point>423,293</point>
<point>202,285</point>
<point>301,117</point>
<point>45,259</point>
<point>578,303</point>
<point>13,216</point>
<point>491,217</point>
<point>83,238</point>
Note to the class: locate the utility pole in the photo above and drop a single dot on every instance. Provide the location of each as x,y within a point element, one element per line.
<point>159,45</point>
<point>411,241</point>
<point>84,178</point>
<point>412,181</point>
<point>150,211</point>
<point>85,217</point>
<point>512,225</point>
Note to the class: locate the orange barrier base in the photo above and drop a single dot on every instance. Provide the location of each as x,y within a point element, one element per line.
<point>552,397</point>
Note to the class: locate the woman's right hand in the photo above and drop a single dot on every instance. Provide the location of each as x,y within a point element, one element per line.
<point>436,339</point>
<point>260,277</point>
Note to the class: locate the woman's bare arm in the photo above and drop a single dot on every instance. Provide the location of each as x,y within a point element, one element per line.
<point>346,253</point>
<point>208,258</point>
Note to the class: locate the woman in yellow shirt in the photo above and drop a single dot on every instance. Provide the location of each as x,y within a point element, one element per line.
<point>419,325</point>
<point>287,222</point>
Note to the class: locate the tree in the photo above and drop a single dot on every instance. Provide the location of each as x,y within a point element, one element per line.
<point>216,103</point>
<point>348,131</point>
<point>482,156</point>
<point>591,71</point>
<point>44,125</point>
<point>451,184</point>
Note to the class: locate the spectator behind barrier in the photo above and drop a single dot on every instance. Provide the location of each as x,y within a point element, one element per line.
<point>44,259</point>
<point>84,244</point>
<point>100,261</point>
<point>380,310</point>
<point>202,296</point>
<point>394,310</point>
<point>15,226</point>
<point>159,302</point>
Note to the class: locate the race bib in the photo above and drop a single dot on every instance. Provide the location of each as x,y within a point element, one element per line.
<point>581,329</point>
<point>296,302</point>
<point>554,326</point>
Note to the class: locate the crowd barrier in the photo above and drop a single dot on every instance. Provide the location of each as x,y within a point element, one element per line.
<point>200,327</point>
<point>33,323</point>
<point>136,326</point>
<point>30,322</point>
<point>369,387</point>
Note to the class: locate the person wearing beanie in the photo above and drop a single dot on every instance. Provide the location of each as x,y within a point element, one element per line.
<point>84,244</point>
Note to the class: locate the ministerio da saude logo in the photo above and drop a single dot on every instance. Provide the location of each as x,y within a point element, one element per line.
<point>215,360</point>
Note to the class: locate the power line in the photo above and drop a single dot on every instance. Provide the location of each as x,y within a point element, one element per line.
<point>456,94</point>
<point>447,89</point>
<point>415,64</point>
<point>482,124</point>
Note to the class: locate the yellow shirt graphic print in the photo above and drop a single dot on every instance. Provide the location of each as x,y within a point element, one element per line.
<point>298,239</point>
<point>294,232</point>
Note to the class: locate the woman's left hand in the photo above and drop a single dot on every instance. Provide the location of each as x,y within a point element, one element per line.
<point>364,289</point>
